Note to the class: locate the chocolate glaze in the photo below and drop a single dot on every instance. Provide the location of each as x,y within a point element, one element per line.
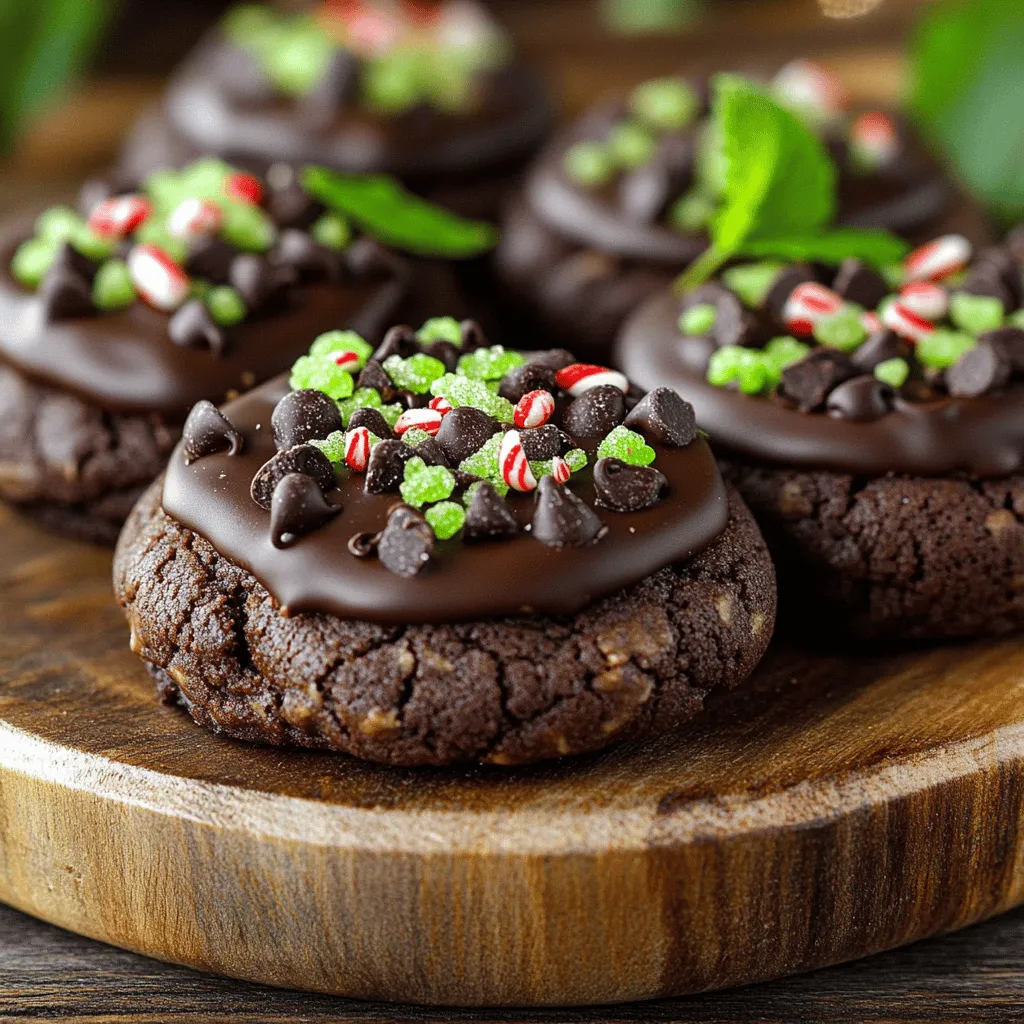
<point>126,361</point>
<point>980,436</point>
<point>471,581</point>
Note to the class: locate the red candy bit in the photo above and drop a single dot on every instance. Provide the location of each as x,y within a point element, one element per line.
<point>373,32</point>
<point>441,405</point>
<point>534,409</point>
<point>347,360</point>
<point>580,377</point>
<point>806,83</point>
<point>244,187</point>
<point>560,470</point>
<point>194,217</point>
<point>808,304</point>
<point>906,323</point>
<point>514,465</point>
<point>939,259</point>
<point>925,299</point>
<point>157,278</point>
<point>874,136</point>
<point>425,419</point>
<point>872,322</point>
<point>119,216</point>
<point>357,449</point>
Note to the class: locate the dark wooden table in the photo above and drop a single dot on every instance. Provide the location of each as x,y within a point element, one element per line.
<point>974,976</point>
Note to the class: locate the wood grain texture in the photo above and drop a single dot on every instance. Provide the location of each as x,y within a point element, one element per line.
<point>838,806</point>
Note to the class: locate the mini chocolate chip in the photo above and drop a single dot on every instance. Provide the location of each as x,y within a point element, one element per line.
<point>880,346</point>
<point>526,378</point>
<point>303,458</point>
<point>665,418</point>
<point>446,352</point>
<point>363,545</point>
<point>644,193</point>
<point>208,431</point>
<point>553,358</point>
<point>985,279</point>
<point>1003,261</point>
<point>373,376</point>
<point>432,453</point>
<point>65,294</point>
<point>291,206</point>
<point>69,258</point>
<point>386,468</point>
<point>406,543</point>
<point>303,416</point>
<point>192,326</point>
<point>561,519</point>
<point>210,258</point>
<point>488,517</point>
<point>264,287</point>
<point>399,341</point>
<point>1010,342</point>
<point>464,431</point>
<point>310,260</point>
<point>298,507</point>
<point>463,481</point>
<point>862,398</point>
<point>372,420</point>
<point>625,488</point>
<point>336,88</point>
<point>473,336</point>
<point>978,371</point>
<point>542,443</point>
<point>857,282</point>
<point>809,381</point>
<point>783,286</point>
<point>734,323</point>
<point>596,412</point>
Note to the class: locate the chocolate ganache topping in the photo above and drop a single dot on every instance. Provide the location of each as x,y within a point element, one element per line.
<point>438,478</point>
<point>917,370</point>
<point>189,285</point>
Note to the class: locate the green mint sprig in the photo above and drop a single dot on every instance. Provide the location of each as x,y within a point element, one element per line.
<point>778,196</point>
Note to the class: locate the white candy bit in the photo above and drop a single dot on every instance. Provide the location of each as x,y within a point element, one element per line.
<point>580,377</point>
<point>809,304</point>
<point>192,218</point>
<point>119,216</point>
<point>560,470</point>
<point>441,404</point>
<point>871,321</point>
<point>937,260</point>
<point>157,278</point>
<point>425,419</point>
<point>925,299</point>
<point>808,85</point>
<point>357,449</point>
<point>534,409</point>
<point>906,323</point>
<point>514,465</point>
<point>347,360</point>
<point>874,139</point>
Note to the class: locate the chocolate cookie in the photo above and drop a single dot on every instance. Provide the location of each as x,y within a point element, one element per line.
<point>618,203</point>
<point>497,608</point>
<point>116,320</point>
<point>881,449</point>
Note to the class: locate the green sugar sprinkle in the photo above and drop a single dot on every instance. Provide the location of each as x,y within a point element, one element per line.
<point>333,446</point>
<point>112,288</point>
<point>942,348</point>
<point>976,313</point>
<point>589,164</point>
<point>489,363</point>
<point>58,224</point>
<point>247,227</point>
<point>752,281</point>
<point>423,484</point>
<point>665,104</point>
<point>415,436</point>
<point>226,306</point>
<point>1016,319</point>
<point>745,367</point>
<point>32,260</point>
<point>576,459</point>
<point>842,330</point>
<point>784,351</point>
<point>321,375</point>
<point>332,231</point>
<point>692,212</point>
<point>330,342</point>
<point>698,319</point>
<point>441,328</point>
<point>416,373</point>
<point>362,398</point>
<point>631,145</point>
<point>92,246</point>
<point>484,464</point>
<point>623,443</point>
<point>462,391</point>
<point>892,371</point>
<point>446,519</point>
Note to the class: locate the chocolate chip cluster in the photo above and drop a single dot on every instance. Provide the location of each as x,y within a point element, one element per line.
<point>856,342</point>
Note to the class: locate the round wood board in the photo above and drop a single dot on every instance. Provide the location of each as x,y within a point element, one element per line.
<point>834,807</point>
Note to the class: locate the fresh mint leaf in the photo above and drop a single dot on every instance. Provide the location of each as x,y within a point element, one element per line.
<point>878,248</point>
<point>384,209</point>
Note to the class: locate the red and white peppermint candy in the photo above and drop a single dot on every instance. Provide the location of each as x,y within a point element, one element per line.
<point>357,449</point>
<point>119,216</point>
<point>580,377</point>
<point>373,32</point>
<point>808,304</point>
<point>938,259</point>
<point>514,465</point>
<point>874,138</point>
<point>925,298</point>
<point>157,278</point>
<point>534,409</point>
<point>245,187</point>
<point>192,218</point>
<point>871,322</point>
<point>810,85</point>
<point>346,359</point>
<point>424,419</point>
<point>906,323</point>
<point>560,470</point>
<point>441,404</point>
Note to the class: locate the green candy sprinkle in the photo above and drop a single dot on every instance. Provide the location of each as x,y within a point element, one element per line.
<point>32,260</point>
<point>58,224</point>
<point>484,464</point>
<point>976,313</point>
<point>333,446</point>
<point>392,83</point>
<point>441,328</point>
<point>745,367</point>
<point>446,518</point>
<point>391,413</point>
<point>299,57</point>
<point>321,375</point>
<point>893,274</point>
<point>461,391</point>
<point>752,281</point>
<point>842,330</point>
<point>489,363</point>
<point>666,104</point>
<point>1016,319</point>
<point>784,351</point>
<point>416,373</point>
<point>330,342</point>
<point>623,443</point>
<point>631,145</point>
<point>692,212</point>
<point>589,164</point>
<point>942,348</point>
<point>576,459</point>
<point>226,306</point>
<point>332,231</point>
<point>247,227</point>
<point>698,319</point>
<point>363,398</point>
<point>415,436</point>
<point>423,484</point>
<point>92,246</point>
<point>112,287</point>
<point>892,371</point>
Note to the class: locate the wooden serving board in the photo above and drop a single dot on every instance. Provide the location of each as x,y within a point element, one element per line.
<point>839,805</point>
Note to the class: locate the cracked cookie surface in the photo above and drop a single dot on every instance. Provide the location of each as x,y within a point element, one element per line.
<point>506,691</point>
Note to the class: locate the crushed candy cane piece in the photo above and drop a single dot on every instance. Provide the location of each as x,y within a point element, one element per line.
<point>157,278</point>
<point>809,304</point>
<point>580,377</point>
<point>513,464</point>
<point>534,409</point>
<point>938,259</point>
<point>119,216</point>
<point>428,420</point>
